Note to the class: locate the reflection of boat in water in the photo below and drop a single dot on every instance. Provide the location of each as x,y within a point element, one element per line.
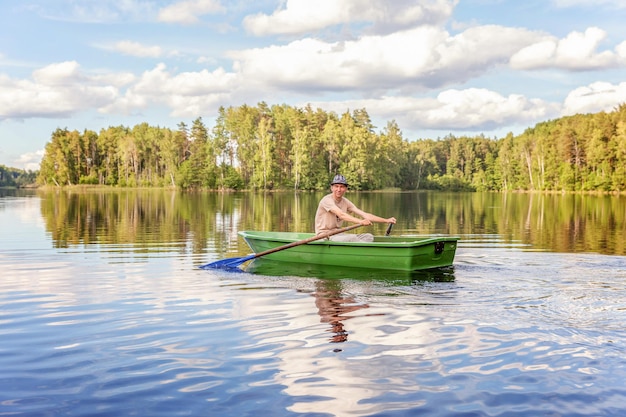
<point>402,253</point>
<point>263,266</point>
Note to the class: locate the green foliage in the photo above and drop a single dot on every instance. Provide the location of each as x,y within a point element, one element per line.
<point>232,179</point>
<point>88,179</point>
<point>448,182</point>
<point>284,147</point>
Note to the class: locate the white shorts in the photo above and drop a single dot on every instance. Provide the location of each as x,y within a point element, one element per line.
<point>351,237</point>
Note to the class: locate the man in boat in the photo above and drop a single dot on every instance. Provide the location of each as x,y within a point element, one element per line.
<point>334,209</point>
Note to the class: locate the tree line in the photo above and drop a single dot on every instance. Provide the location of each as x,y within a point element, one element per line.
<point>14,177</point>
<point>283,147</point>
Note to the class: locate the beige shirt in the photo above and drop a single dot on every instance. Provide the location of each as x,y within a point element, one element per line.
<point>325,221</point>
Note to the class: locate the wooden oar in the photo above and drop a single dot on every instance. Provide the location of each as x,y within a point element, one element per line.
<point>235,262</point>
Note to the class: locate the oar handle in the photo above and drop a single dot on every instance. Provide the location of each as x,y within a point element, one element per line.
<point>305,241</point>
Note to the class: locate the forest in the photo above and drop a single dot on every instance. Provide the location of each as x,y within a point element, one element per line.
<point>14,177</point>
<point>281,147</point>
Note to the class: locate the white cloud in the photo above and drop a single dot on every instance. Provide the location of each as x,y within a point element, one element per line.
<point>113,79</point>
<point>30,161</point>
<point>137,49</point>
<point>409,61</point>
<point>621,50</point>
<point>61,73</point>
<point>478,108</point>
<point>471,109</point>
<point>598,96</point>
<point>56,90</point>
<point>187,12</point>
<point>577,51</point>
<point>416,59</point>
<point>188,94</point>
<point>304,16</point>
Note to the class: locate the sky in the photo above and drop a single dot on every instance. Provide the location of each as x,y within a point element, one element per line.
<point>435,67</point>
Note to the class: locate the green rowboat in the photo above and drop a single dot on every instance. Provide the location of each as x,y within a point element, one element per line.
<point>400,253</point>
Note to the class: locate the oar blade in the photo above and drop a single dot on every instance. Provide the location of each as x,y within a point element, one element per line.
<point>228,263</point>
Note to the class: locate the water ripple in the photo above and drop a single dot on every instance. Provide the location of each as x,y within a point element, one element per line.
<point>116,333</point>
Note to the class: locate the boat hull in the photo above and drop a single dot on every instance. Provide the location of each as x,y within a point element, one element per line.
<point>268,267</point>
<point>391,253</point>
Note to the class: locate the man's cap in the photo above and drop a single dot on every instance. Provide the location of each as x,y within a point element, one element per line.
<point>339,179</point>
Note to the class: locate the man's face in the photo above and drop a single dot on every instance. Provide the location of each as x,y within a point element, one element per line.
<point>338,190</point>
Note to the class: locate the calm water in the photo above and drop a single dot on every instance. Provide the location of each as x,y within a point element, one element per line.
<point>103,311</point>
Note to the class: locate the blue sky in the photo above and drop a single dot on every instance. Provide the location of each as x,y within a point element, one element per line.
<point>436,67</point>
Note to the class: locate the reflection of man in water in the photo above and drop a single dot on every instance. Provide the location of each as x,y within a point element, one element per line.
<point>332,306</point>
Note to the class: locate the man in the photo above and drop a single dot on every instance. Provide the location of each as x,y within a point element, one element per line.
<point>334,209</point>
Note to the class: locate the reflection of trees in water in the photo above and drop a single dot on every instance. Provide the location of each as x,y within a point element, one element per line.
<point>332,306</point>
<point>208,221</point>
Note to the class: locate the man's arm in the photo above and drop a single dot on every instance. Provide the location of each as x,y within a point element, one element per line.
<point>348,218</point>
<point>372,217</point>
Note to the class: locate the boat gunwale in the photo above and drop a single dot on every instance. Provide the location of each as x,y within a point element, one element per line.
<point>389,242</point>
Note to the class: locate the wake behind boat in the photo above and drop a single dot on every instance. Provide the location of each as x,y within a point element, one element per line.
<point>402,253</point>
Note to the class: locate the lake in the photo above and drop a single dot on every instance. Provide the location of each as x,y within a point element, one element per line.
<point>104,311</point>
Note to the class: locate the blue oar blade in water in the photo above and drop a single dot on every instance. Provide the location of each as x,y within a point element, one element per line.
<point>227,263</point>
